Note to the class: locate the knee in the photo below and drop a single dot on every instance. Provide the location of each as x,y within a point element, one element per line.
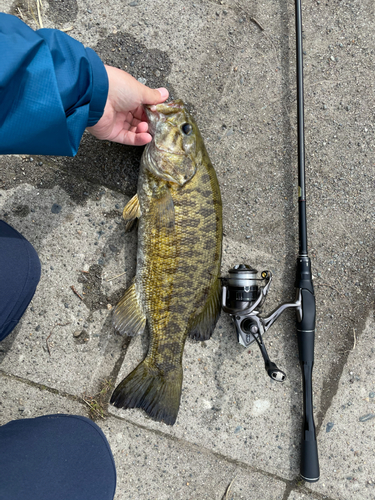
<point>66,450</point>
<point>20,268</point>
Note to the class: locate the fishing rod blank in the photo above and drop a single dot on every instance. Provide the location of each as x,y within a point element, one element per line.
<point>306,314</point>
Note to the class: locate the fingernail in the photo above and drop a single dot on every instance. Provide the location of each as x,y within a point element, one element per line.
<point>163,92</point>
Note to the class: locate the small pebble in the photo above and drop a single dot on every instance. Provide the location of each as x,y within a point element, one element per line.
<point>77,333</point>
<point>329,426</point>
<point>56,209</point>
<point>369,416</point>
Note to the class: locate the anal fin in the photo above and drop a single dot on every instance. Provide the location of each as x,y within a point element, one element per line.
<point>204,324</point>
<point>128,315</point>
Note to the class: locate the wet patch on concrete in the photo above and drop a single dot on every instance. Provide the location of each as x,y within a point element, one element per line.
<point>94,298</point>
<point>124,51</point>
<point>21,210</point>
<point>46,172</point>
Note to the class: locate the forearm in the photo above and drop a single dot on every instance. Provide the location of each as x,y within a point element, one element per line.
<point>51,89</point>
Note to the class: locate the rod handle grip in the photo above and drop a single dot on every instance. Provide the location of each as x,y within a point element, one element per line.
<point>309,465</point>
<point>309,461</point>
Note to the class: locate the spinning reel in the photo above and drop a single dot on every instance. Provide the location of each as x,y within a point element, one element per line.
<point>242,298</point>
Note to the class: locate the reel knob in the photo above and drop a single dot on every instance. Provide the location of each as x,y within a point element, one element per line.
<point>248,325</point>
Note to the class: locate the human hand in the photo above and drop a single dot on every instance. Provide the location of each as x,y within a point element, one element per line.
<point>124,119</point>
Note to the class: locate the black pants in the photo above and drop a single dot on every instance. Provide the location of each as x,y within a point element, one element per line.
<point>54,457</point>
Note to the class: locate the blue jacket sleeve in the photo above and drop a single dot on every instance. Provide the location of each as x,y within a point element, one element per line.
<point>51,89</point>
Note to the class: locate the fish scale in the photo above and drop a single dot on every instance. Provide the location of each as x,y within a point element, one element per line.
<point>176,289</point>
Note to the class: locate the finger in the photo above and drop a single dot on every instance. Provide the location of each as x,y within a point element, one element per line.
<point>142,127</point>
<point>136,130</point>
<point>140,114</point>
<point>135,125</point>
<point>154,96</point>
<point>133,138</point>
<point>134,118</point>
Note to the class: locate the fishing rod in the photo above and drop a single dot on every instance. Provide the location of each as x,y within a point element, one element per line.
<point>305,323</point>
<point>243,295</point>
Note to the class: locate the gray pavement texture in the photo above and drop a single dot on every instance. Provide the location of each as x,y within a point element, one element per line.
<point>238,433</point>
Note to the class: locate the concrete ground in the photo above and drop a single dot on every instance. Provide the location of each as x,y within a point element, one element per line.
<point>238,433</point>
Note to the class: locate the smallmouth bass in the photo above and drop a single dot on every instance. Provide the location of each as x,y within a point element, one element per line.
<point>176,289</point>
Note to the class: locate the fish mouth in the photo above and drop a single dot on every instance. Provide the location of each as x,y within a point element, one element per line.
<point>166,108</point>
<point>160,112</point>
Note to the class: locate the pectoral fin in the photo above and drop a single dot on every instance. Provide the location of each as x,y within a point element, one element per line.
<point>128,315</point>
<point>131,212</point>
<point>204,324</point>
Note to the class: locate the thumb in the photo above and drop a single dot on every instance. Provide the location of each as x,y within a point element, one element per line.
<point>154,96</point>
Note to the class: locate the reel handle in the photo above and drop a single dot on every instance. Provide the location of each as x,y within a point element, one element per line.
<point>274,372</point>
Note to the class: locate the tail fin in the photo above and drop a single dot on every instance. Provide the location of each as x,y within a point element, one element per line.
<point>155,392</point>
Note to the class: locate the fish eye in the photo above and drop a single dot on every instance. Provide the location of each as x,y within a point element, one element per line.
<point>187,129</point>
